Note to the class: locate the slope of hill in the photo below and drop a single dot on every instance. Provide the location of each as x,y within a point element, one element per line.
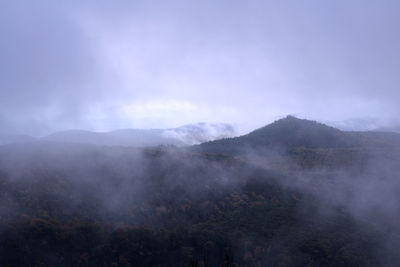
<point>70,205</point>
<point>73,204</point>
<point>290,132</point>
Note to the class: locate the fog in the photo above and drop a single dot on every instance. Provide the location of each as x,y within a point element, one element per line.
<point>114,184</point>
<point>108,111</point>
<point>100,65</point>
<point>158,187</point>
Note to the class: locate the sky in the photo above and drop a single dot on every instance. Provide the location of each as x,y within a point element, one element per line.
<point>103,65</point>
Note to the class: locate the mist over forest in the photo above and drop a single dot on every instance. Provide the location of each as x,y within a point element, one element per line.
<point>295,192</point>
<point>199,133</point>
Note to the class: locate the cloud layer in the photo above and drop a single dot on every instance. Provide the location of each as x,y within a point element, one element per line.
<point>101,65</point>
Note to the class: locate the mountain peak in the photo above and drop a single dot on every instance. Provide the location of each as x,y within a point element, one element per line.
<point>286,133</point>
<point>292,131</point>
<point>291,123</point>
<point>290,119</point>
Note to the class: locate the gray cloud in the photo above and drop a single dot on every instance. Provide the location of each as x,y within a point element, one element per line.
<point>104,65</point>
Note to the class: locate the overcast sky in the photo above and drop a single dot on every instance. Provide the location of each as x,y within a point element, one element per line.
<point>103,65</point>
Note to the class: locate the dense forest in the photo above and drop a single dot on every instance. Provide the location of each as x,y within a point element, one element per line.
<point>293,193</point>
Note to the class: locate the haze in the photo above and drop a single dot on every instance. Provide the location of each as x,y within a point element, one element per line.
<point>104,65</point>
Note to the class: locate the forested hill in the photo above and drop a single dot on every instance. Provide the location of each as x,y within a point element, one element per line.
<point>289,133</point>
<point>322,197</point>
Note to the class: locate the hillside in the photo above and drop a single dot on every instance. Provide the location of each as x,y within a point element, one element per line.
<point>307,143</point>
<point>286,134</point>
<point>326,201</point>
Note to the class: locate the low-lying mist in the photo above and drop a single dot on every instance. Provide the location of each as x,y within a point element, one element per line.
<point>166,187</point>
<point>274,196</point>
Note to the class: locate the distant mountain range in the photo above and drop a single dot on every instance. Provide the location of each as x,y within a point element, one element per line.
<point>14,138</point>
<point>287,133</point>
<point>366,124</point>
<point>185,135</point>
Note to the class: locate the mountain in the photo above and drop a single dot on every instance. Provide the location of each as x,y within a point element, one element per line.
<point>74,204</point>
<point>291,142</point>
<point>356,124</point>
<point>199,133</point>
<point>125,137</point>
<point>294,132</point>
<point>6,138</point>
<point>285,134</point>
<point>393,129</point>
<point>366,124</point>
<point>184,135</point>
